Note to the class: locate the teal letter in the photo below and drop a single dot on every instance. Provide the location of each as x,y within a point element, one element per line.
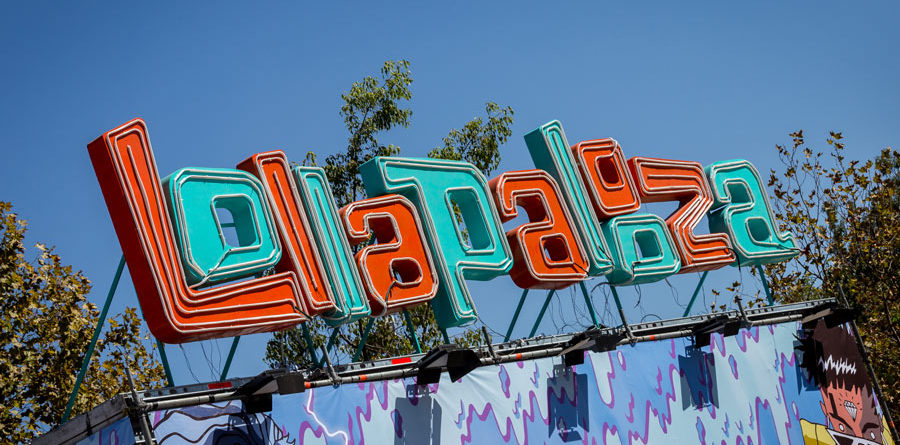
<point>741,209</point>
<point>642,250</point>
<point>435,186</point>
<point>343,277</point>
<point>222,223</point>
<point>550,152</point>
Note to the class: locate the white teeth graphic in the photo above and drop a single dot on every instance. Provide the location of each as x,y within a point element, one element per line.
<point>840,366</point>
<point>851,409</point>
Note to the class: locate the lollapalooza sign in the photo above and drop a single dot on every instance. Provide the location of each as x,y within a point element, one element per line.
<point>201,244</point>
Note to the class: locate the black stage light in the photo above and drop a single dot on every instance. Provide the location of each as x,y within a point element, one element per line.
<point>703,330</point>
<point>290,383</point>
<point>461,362</point>
<point>732,327</point>
<point>458,362</point>
<point>591,339</point>
<point>262,383</point>
<point>257,404</point>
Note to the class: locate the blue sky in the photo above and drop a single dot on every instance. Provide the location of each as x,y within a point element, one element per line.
<point>217,82</point>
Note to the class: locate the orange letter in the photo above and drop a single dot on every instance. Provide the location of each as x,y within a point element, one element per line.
<point>606,177</point>
<point>660,180</point>
<point>300,252</point>
<point>397,271</point>
<point>546,252</point>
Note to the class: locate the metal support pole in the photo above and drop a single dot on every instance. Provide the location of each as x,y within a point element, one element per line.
<point>446,337</point>
<point>589,303</point>
<point>309,343</point>
<point>690,305</point>
<point>138,401</point>
<point>234,344</point>
<point>762,276</point>
<point>512,323</point>
<point>90,350</point>
<point>412,332</point>
<point>170,382</point>
<point>362,341</point>
<point>541,314</point>
<point>621,313</point>
<point>331,339</point>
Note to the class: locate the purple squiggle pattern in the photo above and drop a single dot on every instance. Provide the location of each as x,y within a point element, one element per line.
<point>743,389</point>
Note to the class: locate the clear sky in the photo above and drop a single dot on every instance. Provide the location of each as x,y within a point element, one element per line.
<point>219,81</point>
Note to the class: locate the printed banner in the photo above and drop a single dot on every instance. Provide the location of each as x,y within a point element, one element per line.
<point>777,384</point>
<point>119,432</point>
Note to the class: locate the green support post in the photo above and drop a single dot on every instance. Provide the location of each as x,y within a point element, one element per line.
<point>690,305</point>
<point>512,323</point>
<point>618,304</point>
<point>362,341</point>
<point>446,337</point>
<point>762,276</point>
<point>331,339</point>
<point>170,382</point>
<point>622,313</point>
<point>234,344</point>
<point>90,350</point>
<point>541,314</point>
<point>589,303</point>
<point>309,343</point>
<point>412,331</point>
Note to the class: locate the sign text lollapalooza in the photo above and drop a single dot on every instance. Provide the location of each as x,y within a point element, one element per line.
<point>201,243</point>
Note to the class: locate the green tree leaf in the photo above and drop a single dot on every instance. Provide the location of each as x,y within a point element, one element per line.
<point>45,327</point>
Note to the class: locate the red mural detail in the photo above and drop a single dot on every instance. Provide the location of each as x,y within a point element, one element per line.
<point>660,180</point>
<point>299,254</point>
<point>398,270</point>
<point>547,254</point>
<point>602,166</point>
<point>175,313</point>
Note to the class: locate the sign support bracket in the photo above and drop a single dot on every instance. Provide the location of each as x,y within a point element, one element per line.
<point>362,341</point>
<point>762,277</point>
<point>687,311</point>
<point>165,362</point>
<point>589,303</point>
<point>331,339</point>
<point>309,343</point>
<point>90,350</point>
<point>412,331</point>
<point>621,313</point>
<point>512,323</point>
<point>96,336</point>
<point>541,314</point>
<point>234,344</point>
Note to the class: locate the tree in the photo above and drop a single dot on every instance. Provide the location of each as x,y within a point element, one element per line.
<point>45,327</point>
<point>845,217</point>
<point>373,106</point>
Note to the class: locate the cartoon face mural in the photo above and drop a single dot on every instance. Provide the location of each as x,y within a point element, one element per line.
<point>833,361</point>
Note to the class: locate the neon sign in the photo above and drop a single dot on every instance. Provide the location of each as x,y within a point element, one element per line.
<point>290,257</point>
